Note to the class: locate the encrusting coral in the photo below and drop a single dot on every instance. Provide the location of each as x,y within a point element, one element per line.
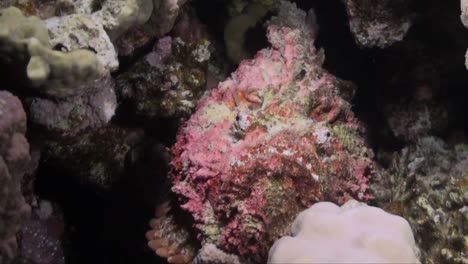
<point>427,184</point>
<point>352,233</point>
<point>14,159</point>
<point>275,138</point>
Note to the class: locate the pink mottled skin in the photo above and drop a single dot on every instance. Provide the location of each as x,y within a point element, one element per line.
<point>252,157</point>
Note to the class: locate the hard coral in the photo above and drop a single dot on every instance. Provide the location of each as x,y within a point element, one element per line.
<point>14,159</point>
<point>24,49</point>
<point>352,233</point>
<point>269,142</point>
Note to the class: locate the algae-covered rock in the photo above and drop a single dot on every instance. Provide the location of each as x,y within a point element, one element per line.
<point>95,158</point>
<point>378,23</point>
<point>169,81</point>
<point>75,114</point>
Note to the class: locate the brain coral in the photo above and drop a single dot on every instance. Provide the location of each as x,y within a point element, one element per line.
<point>275,138</point>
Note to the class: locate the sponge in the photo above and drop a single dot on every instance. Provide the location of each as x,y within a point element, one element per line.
<point>352,233</point>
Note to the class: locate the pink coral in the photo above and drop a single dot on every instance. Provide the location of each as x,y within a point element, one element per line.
<point>269,142</point>
<point>14,162</point>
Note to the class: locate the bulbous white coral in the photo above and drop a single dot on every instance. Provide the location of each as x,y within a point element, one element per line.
<point>464,19</point>
<point>352,233</point>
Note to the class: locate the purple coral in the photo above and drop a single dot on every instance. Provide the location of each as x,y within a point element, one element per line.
<point>14,159</point>
<point>269,142</point>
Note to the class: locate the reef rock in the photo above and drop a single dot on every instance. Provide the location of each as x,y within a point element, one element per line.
<point>75,114</point>
<point>378,23</point>
<point>169,81</point>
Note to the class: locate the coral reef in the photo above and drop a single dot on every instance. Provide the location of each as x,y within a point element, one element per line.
<point>229,116</point>
<point>43,9</point>
<point>169,81</point>
<point>81,41</point>
<point>426,183</point>
<point>73,32</point>
<point>94,26</point>
<point>160,22</point>
<point>269,142</point>
<point>24,48</point>
<point>73,115</point>
<point>378,24</point>
<point>352,233</point>
<point>14,159</point>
